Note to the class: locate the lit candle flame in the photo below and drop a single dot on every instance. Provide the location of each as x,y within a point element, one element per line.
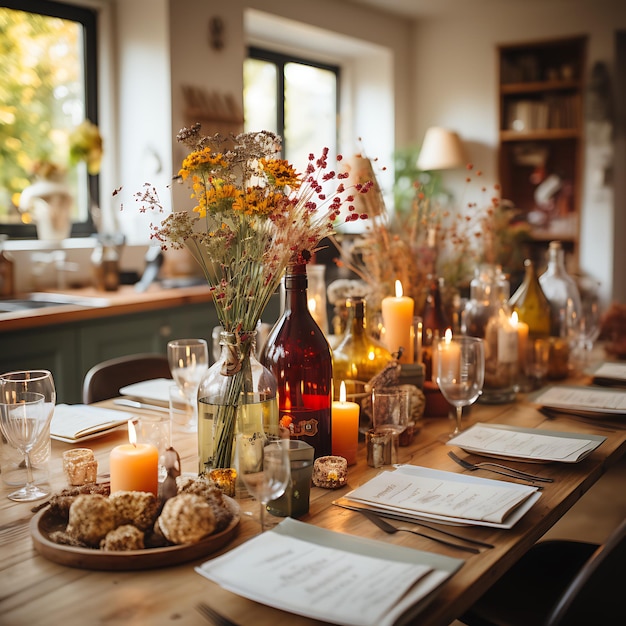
<point>342,391</point>
<point>132,433</point>
<point>399,291</point>
<point>514,318</point>
<point>448,335</point>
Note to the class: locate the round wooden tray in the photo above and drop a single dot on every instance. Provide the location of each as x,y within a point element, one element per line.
<point>44,523</point>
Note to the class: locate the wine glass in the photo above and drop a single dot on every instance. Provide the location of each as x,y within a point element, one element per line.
<point>26,406</point>
<point>38,381</point>
<point>460,373</point>
<point>262,463</point>
<point>189,362</point>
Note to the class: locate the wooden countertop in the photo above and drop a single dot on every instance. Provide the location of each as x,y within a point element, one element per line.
<point>122,302</point>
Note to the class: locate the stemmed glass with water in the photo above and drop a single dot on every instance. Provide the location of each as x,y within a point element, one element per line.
<point>460,373</point>
<point>27,400</point>
<point>189,361</point>
<point>262,463</point>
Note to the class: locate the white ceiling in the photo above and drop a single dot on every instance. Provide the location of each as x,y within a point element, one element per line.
<point>431,8</point>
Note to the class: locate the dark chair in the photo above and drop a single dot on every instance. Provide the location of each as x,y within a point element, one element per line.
<point>104,380</point>
<point>559,583</point>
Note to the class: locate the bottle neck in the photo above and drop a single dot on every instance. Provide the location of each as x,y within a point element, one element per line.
<point>296,284</point>
<point>356,324</point>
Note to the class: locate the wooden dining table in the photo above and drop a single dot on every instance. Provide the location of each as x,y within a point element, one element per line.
<point>36,590</point>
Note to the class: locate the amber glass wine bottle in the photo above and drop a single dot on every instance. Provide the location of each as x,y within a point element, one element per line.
<point>531,304</point>
<point>298,355</point>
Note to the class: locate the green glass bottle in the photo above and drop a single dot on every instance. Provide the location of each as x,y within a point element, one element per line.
<point>531,304</point>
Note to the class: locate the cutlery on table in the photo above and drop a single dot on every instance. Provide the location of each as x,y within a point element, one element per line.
<point>217,619</point>
<point>503,470</point>
<point>585,417</point>
<point>140,405</point>
<point>391,529</point>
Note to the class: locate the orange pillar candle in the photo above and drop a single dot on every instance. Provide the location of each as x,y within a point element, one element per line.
<point>345,427</point>
<point>134,466</point>
<point>398,321</point>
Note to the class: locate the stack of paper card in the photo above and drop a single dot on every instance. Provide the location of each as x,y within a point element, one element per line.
<point>330,576</point>
<point>81,422</point>
<point>577,398</point>
<point>422,493</point>
<point>610,375</point>
<point>499,440</point>
<point>155,390</point>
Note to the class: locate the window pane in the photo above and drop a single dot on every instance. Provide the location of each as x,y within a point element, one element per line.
<point>42,98</point>
<point>259,95</point>
<point>310,112</point>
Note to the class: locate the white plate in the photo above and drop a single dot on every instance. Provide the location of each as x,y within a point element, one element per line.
<point>588,443</point>
<point>155,390</point>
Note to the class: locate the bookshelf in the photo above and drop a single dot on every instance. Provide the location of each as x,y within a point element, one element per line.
<point>541,138</point>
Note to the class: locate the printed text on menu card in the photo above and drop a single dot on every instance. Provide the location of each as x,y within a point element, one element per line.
<point>510,442</point>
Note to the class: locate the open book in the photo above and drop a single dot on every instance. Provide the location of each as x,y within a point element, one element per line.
<point>73,423</point>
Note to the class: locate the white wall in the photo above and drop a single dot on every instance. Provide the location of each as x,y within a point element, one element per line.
<point>455,86</point>
<point>144,107</point>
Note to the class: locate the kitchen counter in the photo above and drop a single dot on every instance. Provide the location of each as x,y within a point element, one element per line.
<point>105,304</point>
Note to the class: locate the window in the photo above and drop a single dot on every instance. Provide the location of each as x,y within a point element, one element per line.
<point>47,87</point>
<point>295,98</point>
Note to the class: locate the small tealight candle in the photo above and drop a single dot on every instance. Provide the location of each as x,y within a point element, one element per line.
<point>345,427</point>
<point>398,321</point>
<point>134,466</point>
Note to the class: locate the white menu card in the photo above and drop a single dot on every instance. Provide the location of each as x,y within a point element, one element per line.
<point>526,443</point>
<point>606,401</point>
<point>331,576</point>
<point>443,495</point>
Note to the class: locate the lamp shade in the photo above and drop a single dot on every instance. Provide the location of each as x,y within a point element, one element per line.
<point>442,150</point>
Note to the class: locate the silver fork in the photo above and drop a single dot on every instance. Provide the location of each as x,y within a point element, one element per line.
<point>391,529</point>
<point>217,619</point>
<point>503,470</point>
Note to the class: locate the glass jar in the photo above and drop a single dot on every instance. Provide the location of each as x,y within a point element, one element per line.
<point>488,316</point>
<point>237,394</point>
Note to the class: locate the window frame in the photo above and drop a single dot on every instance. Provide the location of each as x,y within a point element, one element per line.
<point>88,17</point>
<point>281,59</point>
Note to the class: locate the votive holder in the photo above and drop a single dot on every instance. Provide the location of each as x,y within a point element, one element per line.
<point>80,466</point>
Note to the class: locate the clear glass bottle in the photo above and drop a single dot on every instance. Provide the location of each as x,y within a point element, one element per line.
<point>488,289</point>
<point>237,394</point>
<point>298,355</point>
<point>560,289</point>
<point>487,315</point>
<point>358,357</point>
<point>565,310</point>
<point>105,264</point>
